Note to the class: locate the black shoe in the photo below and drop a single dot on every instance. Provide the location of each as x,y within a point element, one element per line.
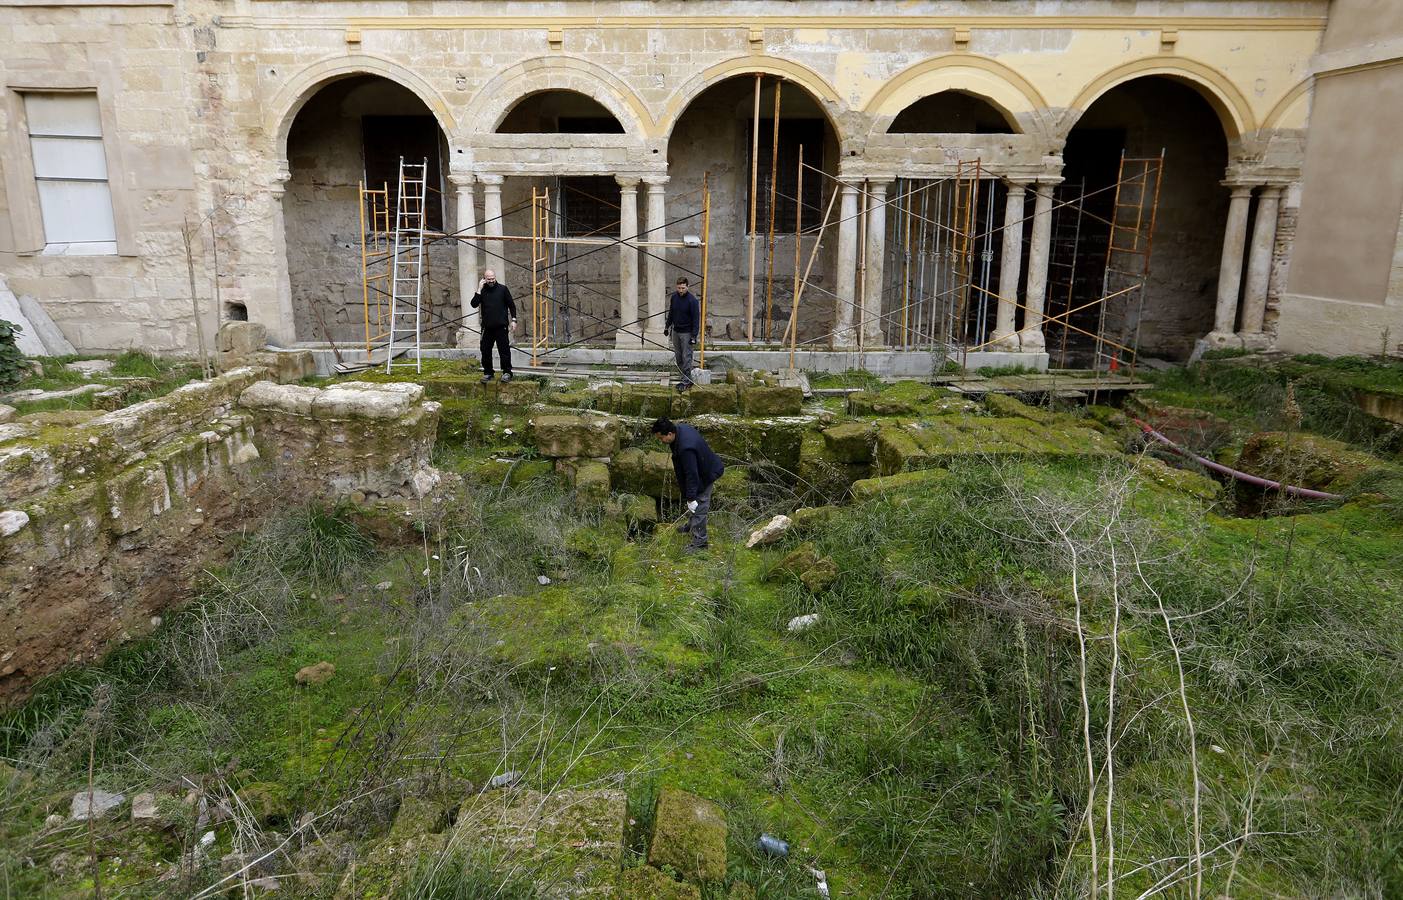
<point>506,376</point>
<point>684,528</point>
<point>486,379</point>
<point>681,388</point>
<point>695,548</point>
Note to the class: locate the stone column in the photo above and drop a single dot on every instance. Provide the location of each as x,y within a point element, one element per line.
<point>1230,269</point>
<point>629,333</point>
<point>492,226</point>
<point>876,251</point>
<point>1254,301</point>
<point>1005,336</point>
<point>846,289</point>
<point>1039,249</point>
<point>655,268</point>
<point>466,223</point>
<point>284,329</point>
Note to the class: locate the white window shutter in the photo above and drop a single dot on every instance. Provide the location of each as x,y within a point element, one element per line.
<point>70,172</point>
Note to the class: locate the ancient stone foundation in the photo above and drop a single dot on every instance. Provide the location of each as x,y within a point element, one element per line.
<point>104,524</point>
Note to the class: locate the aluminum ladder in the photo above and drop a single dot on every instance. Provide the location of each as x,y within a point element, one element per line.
<point>407,267</point>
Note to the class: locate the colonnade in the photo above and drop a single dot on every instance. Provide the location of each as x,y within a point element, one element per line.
<point>1239,314</point>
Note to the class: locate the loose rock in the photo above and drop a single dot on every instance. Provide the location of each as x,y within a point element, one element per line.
<point>803,623</point>
<point>770,532</point>
<point>319,673</point>
<point>98,804</point>
<point>144,809</point>
<point>12,521</point>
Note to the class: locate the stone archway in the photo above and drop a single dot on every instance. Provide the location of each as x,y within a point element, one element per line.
<point>348,131</point>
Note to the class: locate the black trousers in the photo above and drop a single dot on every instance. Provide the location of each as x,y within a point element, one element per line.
<point>496,336</point>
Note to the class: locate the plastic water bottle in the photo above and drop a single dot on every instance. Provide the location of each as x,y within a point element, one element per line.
<point>773,846</point>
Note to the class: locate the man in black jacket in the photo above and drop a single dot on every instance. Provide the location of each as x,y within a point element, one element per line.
<point>682,324</point>
<point>498,317</point>
<point>697,467</point>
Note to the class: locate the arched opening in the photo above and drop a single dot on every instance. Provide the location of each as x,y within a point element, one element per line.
<point>559,112</point>
<point>714,134</point>
<point>353,131</point>
<point>951,112</point>
<point>1139,119</point>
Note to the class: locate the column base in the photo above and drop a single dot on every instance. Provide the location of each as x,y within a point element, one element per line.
<point>1255,340</point>
<point>1005,340</point>
<point>654,340</point>
<point>628,342</point>
<point>1214,340</point>
<point>1032,341</point>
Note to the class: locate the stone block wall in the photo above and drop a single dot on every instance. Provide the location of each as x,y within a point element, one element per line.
<point>199,100</point>
<point>105,525</point>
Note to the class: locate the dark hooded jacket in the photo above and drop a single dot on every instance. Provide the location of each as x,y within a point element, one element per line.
<point>695,463</point>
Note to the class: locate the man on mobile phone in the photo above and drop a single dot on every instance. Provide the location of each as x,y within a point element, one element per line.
<point>498,318</point>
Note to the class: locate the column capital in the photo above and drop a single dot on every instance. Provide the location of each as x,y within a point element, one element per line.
<point>1274,191</point>
<point>849,187</point>
<point>880,183</point>
<point>627,182</point>
<point>656,182</point>
<point>277,181</point>
<point>491,181</point>
<point>461,179</point>
<point>1238,188</point>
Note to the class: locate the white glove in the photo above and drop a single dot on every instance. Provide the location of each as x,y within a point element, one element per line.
<point>691,506</point>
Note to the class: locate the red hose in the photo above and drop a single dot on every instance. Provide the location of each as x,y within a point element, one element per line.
<point>1305,493</point>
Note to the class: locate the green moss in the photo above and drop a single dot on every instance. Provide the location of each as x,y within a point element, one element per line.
<point>904,482</point>
<point>647,883</point>
<point>1010,406</point>
<point>592,482</point>
<point>776,442</point>
<point>760,400</point>
<point>689,836</point>
<point>851,443</point>
<point>804,565</point>
<point>1164,475</point>
<point>1305,460</point>
<point>704,399</point>
<point>649,472</point>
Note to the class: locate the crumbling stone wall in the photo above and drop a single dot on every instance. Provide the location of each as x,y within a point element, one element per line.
<point>104,525</point>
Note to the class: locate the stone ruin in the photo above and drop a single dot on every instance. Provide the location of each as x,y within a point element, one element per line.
<point>105,523</point>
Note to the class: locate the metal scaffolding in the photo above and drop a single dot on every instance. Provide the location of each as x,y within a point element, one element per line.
<point>941,282</point>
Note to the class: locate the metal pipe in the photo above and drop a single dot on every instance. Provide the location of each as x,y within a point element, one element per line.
<point>1238,474</point>
<point>770,254</point>
<point>754,188</point>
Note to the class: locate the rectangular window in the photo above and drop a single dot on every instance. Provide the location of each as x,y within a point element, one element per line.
<point>590,204</point>
<point>793,134</point>
<point>416,138</point>
<point>70,171</point>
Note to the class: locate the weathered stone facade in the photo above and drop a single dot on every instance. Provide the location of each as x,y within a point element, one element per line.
<point>105,523</point>
<point>203,108</point>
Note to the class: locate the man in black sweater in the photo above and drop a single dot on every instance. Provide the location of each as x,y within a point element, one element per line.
<point>697,467</point>
<point>498,317</point>
<point>682,324</point>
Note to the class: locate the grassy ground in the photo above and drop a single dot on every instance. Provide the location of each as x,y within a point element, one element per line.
<point>144,375</point>
<point>942,732</point>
